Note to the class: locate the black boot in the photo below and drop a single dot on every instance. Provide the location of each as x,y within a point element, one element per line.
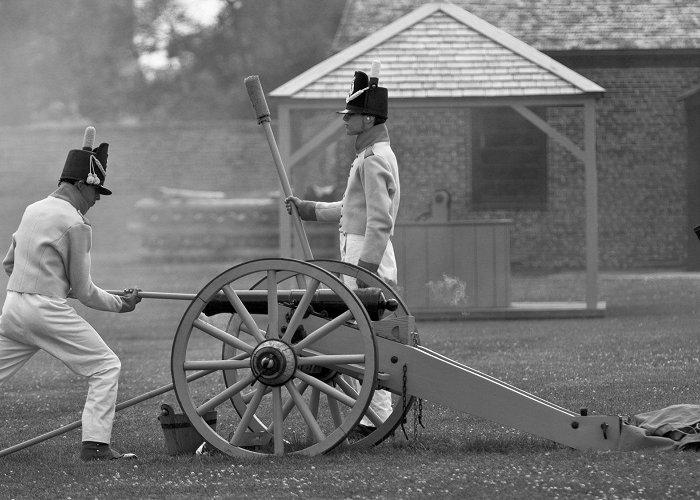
<point>92,450</point>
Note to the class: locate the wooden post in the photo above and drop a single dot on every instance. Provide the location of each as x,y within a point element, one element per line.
<point>591,184</point>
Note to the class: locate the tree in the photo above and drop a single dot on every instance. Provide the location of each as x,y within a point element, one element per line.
<point>275,39</point>
<point>79,59</point>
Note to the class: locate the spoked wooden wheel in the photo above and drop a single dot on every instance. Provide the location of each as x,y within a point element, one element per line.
<point>281,362</point>
<point>400,405</point>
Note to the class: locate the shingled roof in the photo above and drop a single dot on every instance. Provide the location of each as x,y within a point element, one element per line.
<point>553,25</point>
<point>441,50</point>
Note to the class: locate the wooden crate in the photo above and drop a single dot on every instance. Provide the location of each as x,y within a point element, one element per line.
<point>453,267</point>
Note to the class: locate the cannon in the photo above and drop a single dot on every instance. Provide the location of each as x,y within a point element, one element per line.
<point>324,302</point>
<point>280,374</point>
<point>282,380</point>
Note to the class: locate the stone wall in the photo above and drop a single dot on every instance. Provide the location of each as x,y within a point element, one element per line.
<point>230,157</point>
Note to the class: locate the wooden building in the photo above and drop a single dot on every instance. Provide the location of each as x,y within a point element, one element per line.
<point>446,71</point>
<point>574,120</point>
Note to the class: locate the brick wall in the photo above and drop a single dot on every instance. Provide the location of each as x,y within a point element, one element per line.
<point>642,166</point>
<point>641,144</point>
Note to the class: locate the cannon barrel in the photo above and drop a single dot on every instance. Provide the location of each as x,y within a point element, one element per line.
<point>324,302</point>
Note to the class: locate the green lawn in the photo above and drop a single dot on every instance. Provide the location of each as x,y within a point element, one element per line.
<point>643,355</point>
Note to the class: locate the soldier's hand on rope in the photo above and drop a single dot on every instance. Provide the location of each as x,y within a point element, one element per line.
<point>130,300</point>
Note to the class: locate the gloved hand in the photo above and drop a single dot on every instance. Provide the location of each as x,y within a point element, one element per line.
<point>130,300</point>
<point>306,209</point>
<point>370,267</point>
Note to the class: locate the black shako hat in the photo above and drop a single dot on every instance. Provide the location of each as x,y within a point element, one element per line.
<point>87,164</point>
<point>366,96</point>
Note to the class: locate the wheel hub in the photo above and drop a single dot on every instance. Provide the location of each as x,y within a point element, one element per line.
<point>273,362</point>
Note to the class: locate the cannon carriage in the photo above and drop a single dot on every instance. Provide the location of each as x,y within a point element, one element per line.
<point>280,373</point>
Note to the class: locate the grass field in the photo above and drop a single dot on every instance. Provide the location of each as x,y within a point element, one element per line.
<point>642,355</point>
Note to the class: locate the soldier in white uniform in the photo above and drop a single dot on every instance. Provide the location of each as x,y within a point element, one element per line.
<point>48,262</point>
<point>367,212</point>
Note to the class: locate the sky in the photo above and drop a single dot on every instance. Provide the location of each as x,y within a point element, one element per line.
<point>202,10</point>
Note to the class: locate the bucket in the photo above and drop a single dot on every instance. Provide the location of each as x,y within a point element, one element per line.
<point>181,438</point>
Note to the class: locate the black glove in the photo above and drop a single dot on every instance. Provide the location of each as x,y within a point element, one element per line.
<point>306,209</point>
<point>370,267</point>
<point>130,300</point>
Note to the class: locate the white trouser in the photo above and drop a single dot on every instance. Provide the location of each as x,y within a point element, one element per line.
<point>350,249</point>
<point>30,322</point>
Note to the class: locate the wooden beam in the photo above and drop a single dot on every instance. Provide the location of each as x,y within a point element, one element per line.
<point>591,182</point>
<point>588,156</point>
<point>326,136</point>
<point>550,131</point>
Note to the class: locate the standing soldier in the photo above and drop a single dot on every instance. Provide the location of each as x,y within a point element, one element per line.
<point>49,261</point>
<point>367,212</point>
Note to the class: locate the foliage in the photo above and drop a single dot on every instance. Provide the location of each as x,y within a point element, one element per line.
<point>271,38</point>
<point>68,60</point>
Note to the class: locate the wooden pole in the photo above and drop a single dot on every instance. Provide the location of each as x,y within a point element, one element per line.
<point>157,295</point>
<point>119,407</point>
<point>257,98</point>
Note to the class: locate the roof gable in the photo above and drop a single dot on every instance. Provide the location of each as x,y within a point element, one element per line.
<point>440,50</point>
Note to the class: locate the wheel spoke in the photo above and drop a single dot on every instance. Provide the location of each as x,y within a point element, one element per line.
<point>289,404</point>
<point>322,331</point>
<point>335,411</point>
<point>314,401</point>
<point>373,417</point>
<point>226,394</point>
<point>240,308</point>
<point>260,390</point>
<point>327,389</point>
<point>331,360</point>
<point>350,391</point>
<point>306,413</point>
<point>352,365</point>
<point>345,387</point>
<point>300,311</point>
<point>278,420</point>
<point>217,364</point>
<point>273,325</point>
<point>221,335</point>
